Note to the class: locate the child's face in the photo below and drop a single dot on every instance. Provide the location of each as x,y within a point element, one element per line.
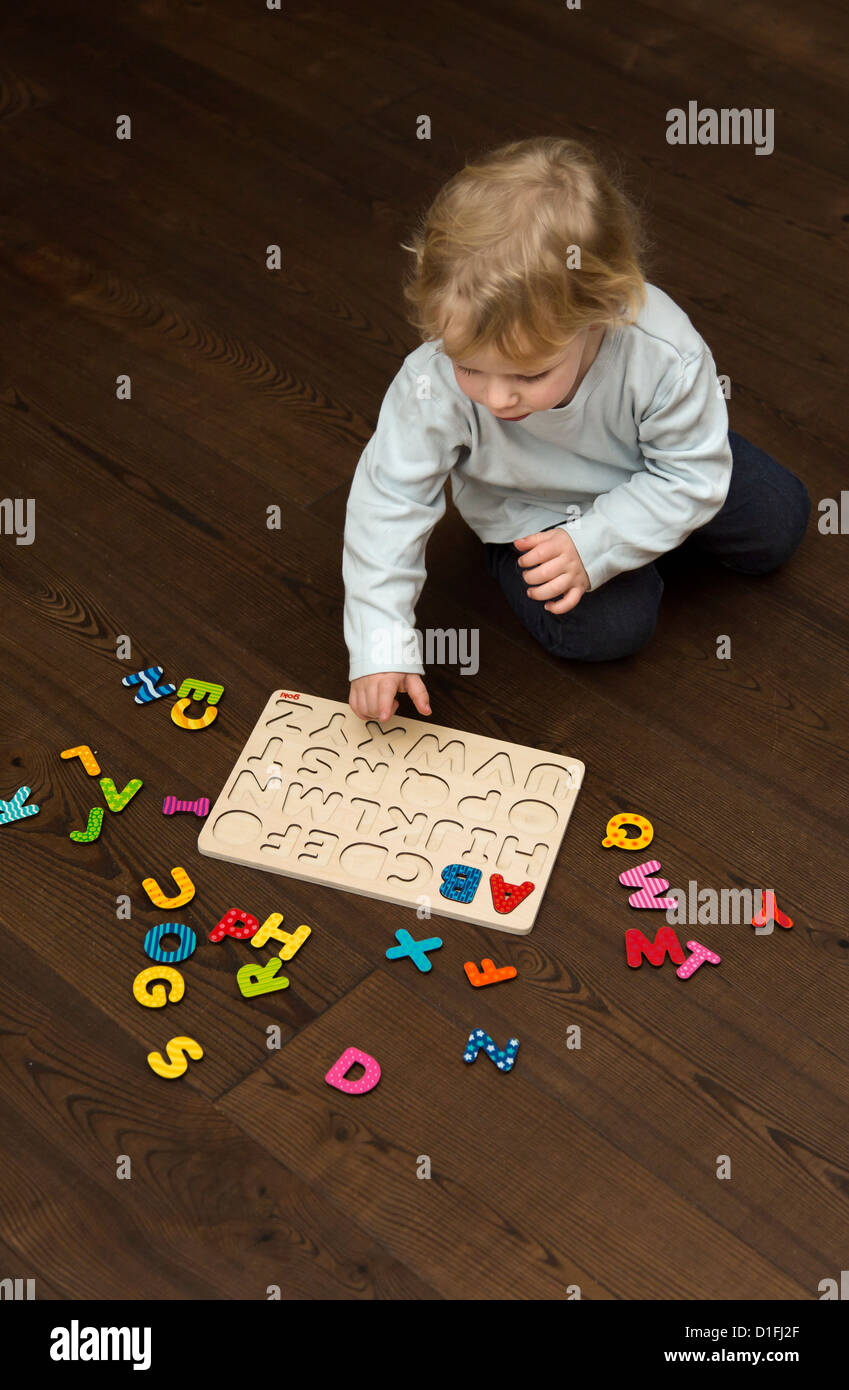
<point>511,393</point>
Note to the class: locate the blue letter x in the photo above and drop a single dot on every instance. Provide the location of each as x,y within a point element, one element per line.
<point>416,950</point>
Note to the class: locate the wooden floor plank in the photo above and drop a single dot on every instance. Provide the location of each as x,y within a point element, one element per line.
<point>253,388</point>
<point>453,1114</point>
<point>205,1212</point>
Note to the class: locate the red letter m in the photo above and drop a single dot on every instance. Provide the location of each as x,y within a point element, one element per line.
<point>637,945</point>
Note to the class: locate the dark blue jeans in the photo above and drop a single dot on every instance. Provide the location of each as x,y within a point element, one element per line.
<point>758,527</point>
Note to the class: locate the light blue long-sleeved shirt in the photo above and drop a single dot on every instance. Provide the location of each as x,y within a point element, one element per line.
<point>641,449</point>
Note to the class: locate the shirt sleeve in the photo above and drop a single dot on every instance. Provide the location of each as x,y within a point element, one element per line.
<point>684,443</point>
<point>396,498</point>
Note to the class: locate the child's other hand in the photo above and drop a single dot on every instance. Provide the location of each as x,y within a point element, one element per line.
<point>552,566</point>
<point>373,697</point>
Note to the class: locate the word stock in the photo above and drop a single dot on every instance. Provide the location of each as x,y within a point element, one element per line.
<point>149,686</point>
<point>478,1040</point>
<point>251,979</point>
<point>648,895</point>
<point>170,943</point>
<point>115,800</point>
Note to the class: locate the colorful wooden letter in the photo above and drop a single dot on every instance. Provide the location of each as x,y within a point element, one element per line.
<point>459,882</point>
<point>770,911</point>
<point>16,810</point>
<point>92,830</point>
<point>507,896</point>
<point>200,807</point>
<point>260,979</point>
<point>197,689</point>
<point>115,800</point>
<point>699,956</point>
<point>481,1041</point>
<point>235,923</point>
<point>187,942</point>
<point>158,898</point>
<point>269,928</point>
<point>649,887</point>
<point>156,997</point>
<point>615,833</point>
<point>148,683</point>
<point>488,974</point>
<point>416,950</point>
<point>178,714</point>
<point>86,757</point>
<point>367,1082</point>
<point>637,946</point>
<point>292,943</point>
<point>176,1064</point>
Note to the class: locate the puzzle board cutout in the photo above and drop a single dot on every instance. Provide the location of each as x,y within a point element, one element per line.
<point>320,794</point>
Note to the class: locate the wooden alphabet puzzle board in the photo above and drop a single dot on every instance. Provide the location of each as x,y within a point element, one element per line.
<point>384,810</point>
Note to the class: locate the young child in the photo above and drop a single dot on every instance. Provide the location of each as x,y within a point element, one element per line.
<point>576,411</point>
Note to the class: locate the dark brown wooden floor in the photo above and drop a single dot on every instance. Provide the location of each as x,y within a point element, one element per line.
<point>593,1167</point>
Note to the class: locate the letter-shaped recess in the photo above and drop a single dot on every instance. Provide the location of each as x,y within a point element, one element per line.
<point>197,689</point>
<point>699,956</point>
<point>292,942</point>
<point>92,830</point>
<point>115,800</point>
<point>416,950</point>
<point>183,882</point>
<point>615,833</point>
<point>176,1064</point>
<point>488,973</point>
<point>770,911</point>
<point>235,923</point>
<point>367,1082</point>
<point>179,716</point>
<point>86,757</point>
<point>187,942</point>
<point>481,1041</point>
<point>148,683</point>
<point>649,887</point>
<point>16,810</point>
<point>156,997</point>
<point>260,979</point>
<point>459,882</point>
<point>637,946</point>
<point>507,896</point>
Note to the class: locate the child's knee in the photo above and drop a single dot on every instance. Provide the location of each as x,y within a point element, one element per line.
<point>784,529</point>
<point>623,630</point>
<point>602,647</point>
<point>614,646</point>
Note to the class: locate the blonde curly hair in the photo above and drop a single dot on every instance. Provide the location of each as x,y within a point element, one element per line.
<point>495,253</point>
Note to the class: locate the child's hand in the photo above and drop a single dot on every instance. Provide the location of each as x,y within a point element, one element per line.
<point>552,565</point>
<point>373,697</point>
